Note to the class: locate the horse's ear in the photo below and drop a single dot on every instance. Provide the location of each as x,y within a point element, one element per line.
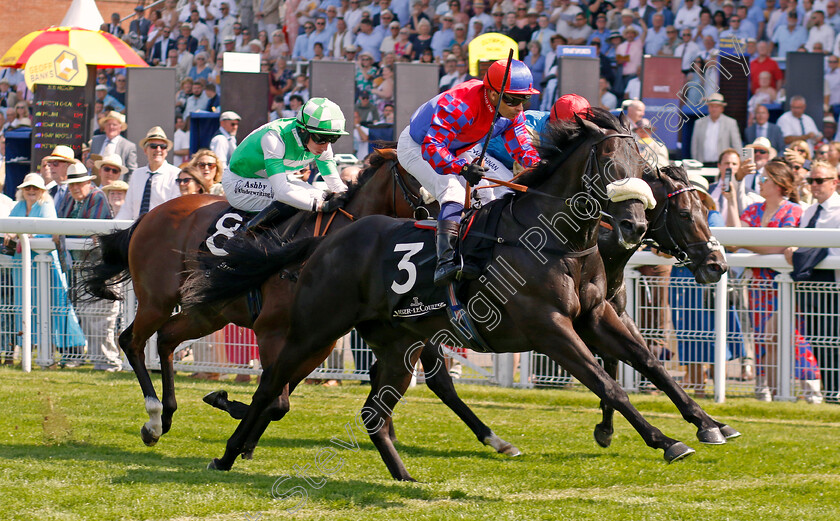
<point>590,127</point>
<point>624,120</point>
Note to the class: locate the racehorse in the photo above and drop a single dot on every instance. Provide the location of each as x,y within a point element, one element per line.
<point>629,224</point>
<point>175,230</point>
<point>676,226</point>
<point>558,309</point>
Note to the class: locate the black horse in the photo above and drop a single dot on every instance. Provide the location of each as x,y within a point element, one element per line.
<point>558,307</point>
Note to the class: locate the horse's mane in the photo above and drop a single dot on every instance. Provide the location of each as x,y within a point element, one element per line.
<point>677,173</point>
<point>559,136</point>
<point>377,159</point>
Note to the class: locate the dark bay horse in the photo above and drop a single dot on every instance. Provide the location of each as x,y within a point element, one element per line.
<point>629,224</point>
<point>559,308</point>
<point>676,226</point>
<point>157,253</point>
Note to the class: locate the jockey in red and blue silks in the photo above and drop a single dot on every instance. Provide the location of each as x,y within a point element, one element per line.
<point>434,147</point>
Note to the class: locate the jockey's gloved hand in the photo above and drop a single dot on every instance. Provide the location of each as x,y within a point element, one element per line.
<point>330,205</point>
<point>473,172</point>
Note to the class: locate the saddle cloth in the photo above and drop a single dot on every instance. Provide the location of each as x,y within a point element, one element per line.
<point>408,269</point>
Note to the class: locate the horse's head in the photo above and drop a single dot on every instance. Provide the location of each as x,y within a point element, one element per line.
<point>624,218</point>
<point>678,225</point>
<point>385,188</point>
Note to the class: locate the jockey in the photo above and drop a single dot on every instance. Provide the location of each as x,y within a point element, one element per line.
<point>256,177</point>
<point>499,162</point>
<point>434,147</point>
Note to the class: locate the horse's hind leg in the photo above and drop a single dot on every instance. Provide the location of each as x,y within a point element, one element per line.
<point>387,389</point>
<point>607,334</point>
<point>178,328</point>
<point>133,343</point>
<point>440,382</point>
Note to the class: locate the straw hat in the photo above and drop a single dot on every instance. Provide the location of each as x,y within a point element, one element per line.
<point>34,179</point>
<point>115,186</point>
<point>155,133</point>
<point>716,98</point>
<point>112,160</point>
<point>77,173</point>
<point>62,153</point>
<point>764,144</point>
<point>113,114</point>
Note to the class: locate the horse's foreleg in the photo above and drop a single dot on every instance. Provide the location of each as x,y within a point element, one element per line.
<point>440,382</point>
<point>559,341</point>
<point>607,334</point>
<point>604,430</point>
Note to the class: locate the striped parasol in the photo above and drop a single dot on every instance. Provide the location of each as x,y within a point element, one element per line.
<point>96,47</point>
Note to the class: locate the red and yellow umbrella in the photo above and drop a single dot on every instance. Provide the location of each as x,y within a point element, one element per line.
<point>95,47</point>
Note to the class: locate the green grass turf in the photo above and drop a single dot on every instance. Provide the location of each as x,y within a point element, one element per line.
<point>71,450</point>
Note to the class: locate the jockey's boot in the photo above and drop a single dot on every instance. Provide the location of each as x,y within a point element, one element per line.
<point>447,241</point>
<point>272,214</point>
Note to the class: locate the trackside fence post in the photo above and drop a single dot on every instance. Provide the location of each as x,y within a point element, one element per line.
<point>43,304</point>
<point>721,312</point>
<point>786,344</point>
<point>627,376</point>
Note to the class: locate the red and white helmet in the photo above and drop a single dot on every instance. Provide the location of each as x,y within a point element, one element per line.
<point>567,106</point>
<point>519,82</point>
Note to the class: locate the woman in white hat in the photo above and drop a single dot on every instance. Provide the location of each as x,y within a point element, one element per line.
<point>35,201</point>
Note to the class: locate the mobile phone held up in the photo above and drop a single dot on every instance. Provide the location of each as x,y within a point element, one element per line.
<point>726,182</point>
<point>748,153</point>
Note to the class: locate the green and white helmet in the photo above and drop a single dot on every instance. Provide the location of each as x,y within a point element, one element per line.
<point>321,116</point>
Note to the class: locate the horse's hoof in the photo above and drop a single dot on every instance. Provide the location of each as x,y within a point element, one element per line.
<point>501,446</point>
<point>216,464</point>
<point>216,398</point>
<point>148,437</point>
<point>728,432</point>
<point>711,436</point>
<point>248,454</point>
<point>602,437</point>
<point>678,451</point>
<point>509,450</point>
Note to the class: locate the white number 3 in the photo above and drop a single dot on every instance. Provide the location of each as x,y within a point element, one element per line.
<point>411,249</point>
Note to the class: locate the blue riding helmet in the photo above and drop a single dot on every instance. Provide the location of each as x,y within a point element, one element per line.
<point>520,81</point>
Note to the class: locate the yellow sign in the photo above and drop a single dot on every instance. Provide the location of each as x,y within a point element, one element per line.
<point>491,46</point>
<point>55,65</point>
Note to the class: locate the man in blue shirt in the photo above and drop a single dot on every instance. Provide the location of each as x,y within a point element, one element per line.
<point>444,37</point>
<point>789,37</point>
<point>303,48</point>
<point>656,35</point>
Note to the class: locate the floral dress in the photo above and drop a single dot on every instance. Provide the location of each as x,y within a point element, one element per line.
<point>764,300</point>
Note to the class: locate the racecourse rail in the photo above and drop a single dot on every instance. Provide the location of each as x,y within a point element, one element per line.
<point>501,370</point>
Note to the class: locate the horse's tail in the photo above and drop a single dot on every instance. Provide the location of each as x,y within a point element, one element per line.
<point>107,264</point>
<point>248,264</point>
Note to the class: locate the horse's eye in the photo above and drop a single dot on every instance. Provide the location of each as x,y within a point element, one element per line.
<point>685,214</point>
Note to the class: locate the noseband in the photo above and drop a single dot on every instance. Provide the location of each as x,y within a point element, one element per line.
<point>681,254</point>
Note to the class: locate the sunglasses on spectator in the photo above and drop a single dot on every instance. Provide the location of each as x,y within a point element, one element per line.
<point>763,179</point>
<point>818,180</point>
<point>801,150</point>
<point>184,180</point>
<point>321,139</point>
<point>514,101</point>
<point>206,165</point>
<point>161,146</point>
<point>760,151</point>
<point>110,170</point>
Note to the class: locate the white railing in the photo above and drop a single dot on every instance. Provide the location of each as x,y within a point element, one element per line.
<point>500,370</point>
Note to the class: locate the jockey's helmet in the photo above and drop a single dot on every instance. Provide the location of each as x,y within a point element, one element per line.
<point>567,106</point>
<point>520,81</point>
<point>321,116</point>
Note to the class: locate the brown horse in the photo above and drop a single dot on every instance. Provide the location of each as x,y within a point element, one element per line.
<point>558,308</point>
<point>157,253</point>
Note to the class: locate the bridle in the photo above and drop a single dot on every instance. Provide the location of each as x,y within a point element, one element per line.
<point>414,201</point>
<point>672,247</point>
